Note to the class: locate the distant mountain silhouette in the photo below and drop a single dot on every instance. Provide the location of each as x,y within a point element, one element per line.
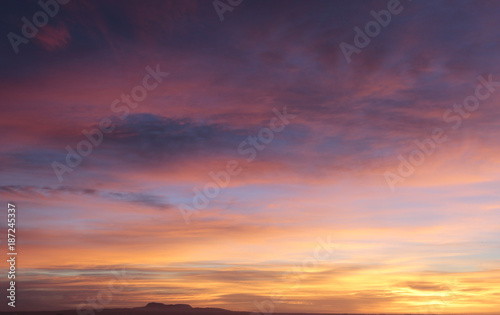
<point>152,308</point>
<point>168,306</point>
<point>155,308</point>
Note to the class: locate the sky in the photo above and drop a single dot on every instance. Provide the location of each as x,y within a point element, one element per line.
<point>262,156</point>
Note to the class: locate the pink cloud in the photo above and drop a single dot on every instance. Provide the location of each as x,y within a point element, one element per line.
<point>52,38</point>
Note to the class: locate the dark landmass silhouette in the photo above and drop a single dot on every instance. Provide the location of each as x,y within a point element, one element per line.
<point>149,309</point>
<point>166,309</point>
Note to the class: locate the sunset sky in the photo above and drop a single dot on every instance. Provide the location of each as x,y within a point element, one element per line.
<point>368,184</point>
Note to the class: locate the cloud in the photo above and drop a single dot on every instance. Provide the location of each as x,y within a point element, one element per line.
<point>152,137</point>
<point>427,286</point>
<point>144,199</point>
<point>52,38</point>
